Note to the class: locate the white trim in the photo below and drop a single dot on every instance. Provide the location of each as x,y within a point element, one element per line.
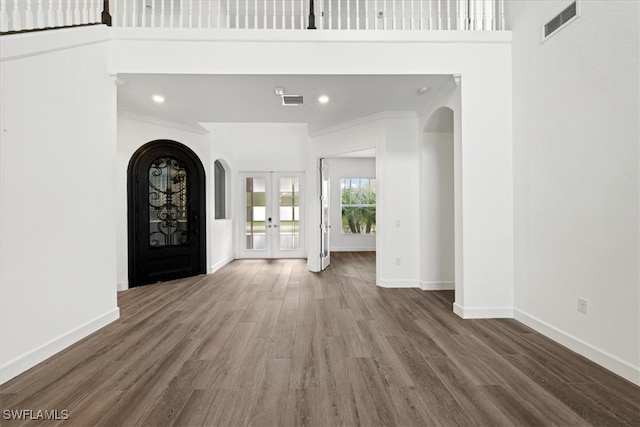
<point>28,360</point>
<point>217,266</point>
<point>305,36</point>
<point>23,45</point>
<point>187,127</point>
<point>364,121</point>
<point>483,312</point>
<point>437,286</point>
<point>383,283</point>
<point>603,358</point>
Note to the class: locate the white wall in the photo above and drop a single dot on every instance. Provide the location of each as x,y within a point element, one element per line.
<point>437,240</point>
<point>482,60</point>
<point>576,134</point>
<point>133,132</point>
<point>347,167</point>
<point>259,147</point>
<point>57,222</point>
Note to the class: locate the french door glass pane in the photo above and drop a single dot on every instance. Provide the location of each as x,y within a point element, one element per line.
<point>289,210</point>
<point>255,205</point>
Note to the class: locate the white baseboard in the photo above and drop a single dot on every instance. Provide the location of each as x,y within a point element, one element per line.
<point>601,357</point>
<point>217,266</point>
<point>383,283</point>
<point>437,286</point>
<point>30,359</point>
<point>483,312</point>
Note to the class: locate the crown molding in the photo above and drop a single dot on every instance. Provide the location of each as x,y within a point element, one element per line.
<point>187,127</point>
<point>385,115</point>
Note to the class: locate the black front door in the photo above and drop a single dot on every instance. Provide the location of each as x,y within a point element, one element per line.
<point>166,213</point>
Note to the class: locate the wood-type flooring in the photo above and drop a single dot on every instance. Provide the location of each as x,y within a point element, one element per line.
<point>267,343</point>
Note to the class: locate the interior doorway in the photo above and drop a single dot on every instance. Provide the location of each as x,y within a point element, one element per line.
<point>166,213</point>
<point>349,214</point>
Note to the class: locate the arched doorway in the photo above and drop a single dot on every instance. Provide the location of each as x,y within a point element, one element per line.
<point>166,213</point>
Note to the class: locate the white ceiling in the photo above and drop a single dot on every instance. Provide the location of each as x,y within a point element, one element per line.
<point>192,99</point>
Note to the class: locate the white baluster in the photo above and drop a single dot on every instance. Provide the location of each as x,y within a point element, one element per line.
<point>330,17</point>
<point>413,16</point>
<point>76,13</point>
<point>255,14</point>
<point>150,9</point>
<point>459,14</point>
<point>181,14</point>
<point>293,15</point>
<point>15,25</point>
<point>439,15</point>
<point>265,19</point>
<point>339,15</point>
<point>501,12</point>
<point>284,26</point>
<point>68,15</point>
<point>97,13</point>
<point>50,15</point>
<point>28,17</point>
<point>85,12</point>
<point>302,17</point>
<point>190,14</point>
<point>489,16</point>
<point>39,15</point>
<point>274,26</point>
<point>134,14</point>
<point>385,20</point>
<point>199,13</point>
<point>4,17</point>
<point>92,12</point>
<point>449,14</point>
<point>209,14</point>
<point>348,22</point>
<point>402,22</point>
<point>394,16</point>
<point>227,16</point>
<point>422,14</point>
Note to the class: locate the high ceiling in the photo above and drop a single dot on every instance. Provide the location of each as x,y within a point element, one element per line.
<point>192,99</point>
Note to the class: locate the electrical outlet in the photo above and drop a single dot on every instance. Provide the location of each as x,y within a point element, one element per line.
<point>582,305</point>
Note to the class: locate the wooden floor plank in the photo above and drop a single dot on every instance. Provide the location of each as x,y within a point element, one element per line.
<point>266,342</point>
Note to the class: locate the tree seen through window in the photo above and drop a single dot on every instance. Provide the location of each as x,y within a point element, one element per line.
<point>358,199</point>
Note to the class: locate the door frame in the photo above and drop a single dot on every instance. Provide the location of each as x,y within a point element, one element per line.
<point>271,252</point>
<point>160,147</point>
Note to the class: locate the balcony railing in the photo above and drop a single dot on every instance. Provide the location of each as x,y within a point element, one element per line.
<point>474,15</point>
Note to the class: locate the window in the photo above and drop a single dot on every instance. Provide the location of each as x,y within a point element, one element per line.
<point>220,182</point>
<point>358,199</point>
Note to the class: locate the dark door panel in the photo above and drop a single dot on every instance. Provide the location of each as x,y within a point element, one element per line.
<point>166,213</point>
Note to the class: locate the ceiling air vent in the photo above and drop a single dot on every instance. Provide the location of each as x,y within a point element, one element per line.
<point>561,20</point>
<point>292,100</point>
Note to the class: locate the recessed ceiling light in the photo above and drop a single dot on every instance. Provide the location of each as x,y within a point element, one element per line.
<point>423,90</point>
<point>323,99</point>
<point>158,98</point>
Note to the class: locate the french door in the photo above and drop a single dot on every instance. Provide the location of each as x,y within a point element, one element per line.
<point>271,224</point>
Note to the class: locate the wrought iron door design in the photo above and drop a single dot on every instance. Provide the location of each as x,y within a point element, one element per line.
<point>166,212</point>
